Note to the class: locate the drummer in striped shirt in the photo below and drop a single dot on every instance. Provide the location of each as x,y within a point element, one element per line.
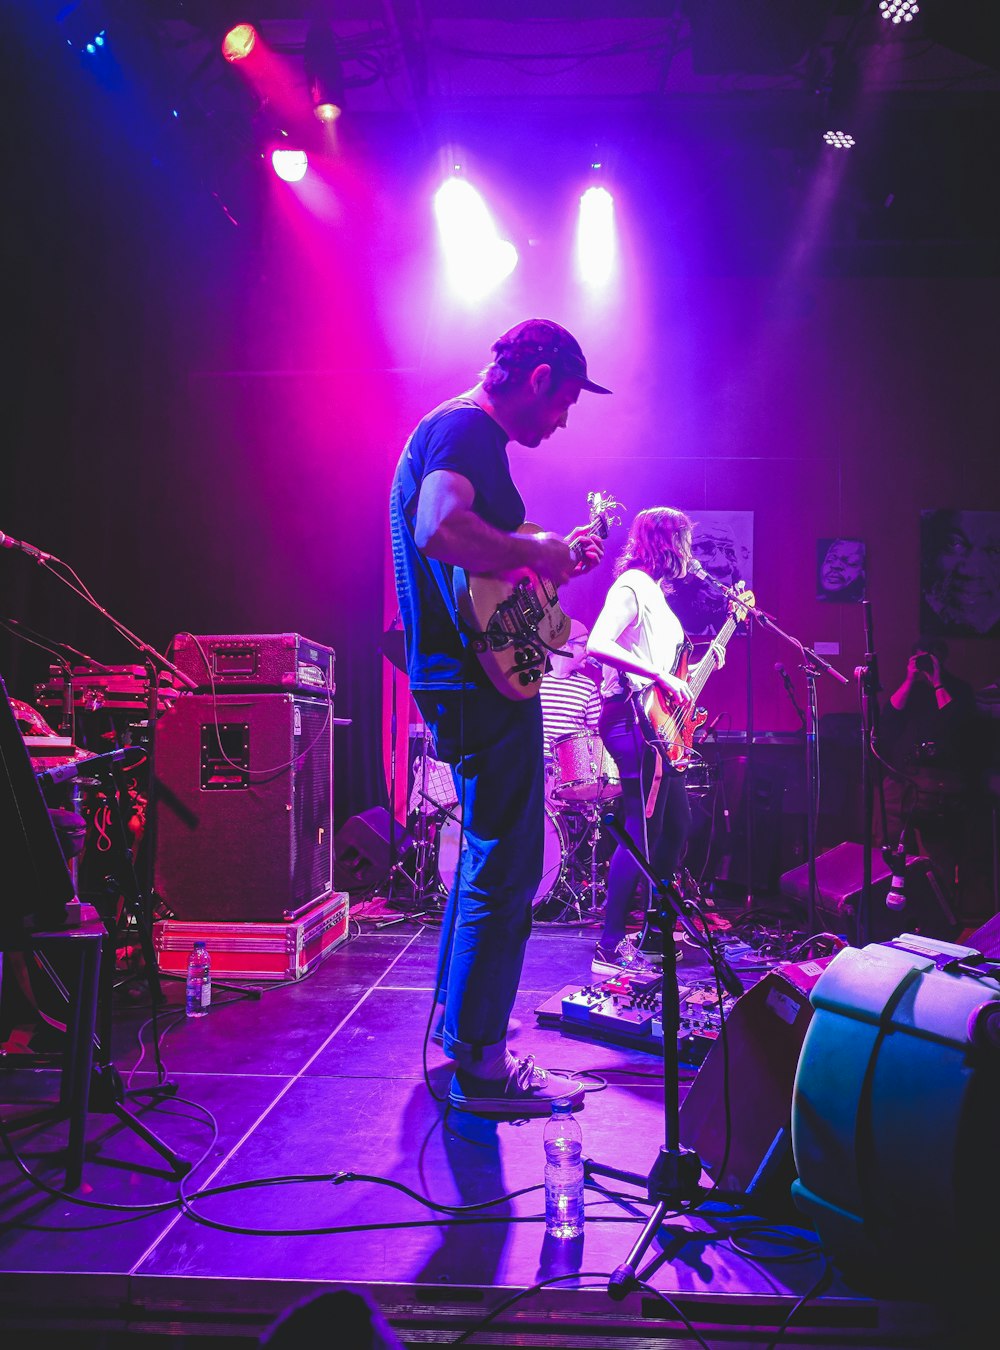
<point>570,696</point>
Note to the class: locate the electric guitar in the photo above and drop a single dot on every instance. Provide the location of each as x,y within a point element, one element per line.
<point>516,617</point>
<point>669,728</point>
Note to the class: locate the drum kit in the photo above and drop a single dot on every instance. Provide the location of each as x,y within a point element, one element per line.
<point>580,780</point>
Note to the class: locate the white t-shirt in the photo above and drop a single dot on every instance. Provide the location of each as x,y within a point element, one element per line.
<point>654,639</point>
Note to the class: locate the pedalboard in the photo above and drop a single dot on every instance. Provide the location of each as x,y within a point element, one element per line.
<point>626,1010</point>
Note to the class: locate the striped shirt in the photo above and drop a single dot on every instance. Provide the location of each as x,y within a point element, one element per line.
<point>572,703</point>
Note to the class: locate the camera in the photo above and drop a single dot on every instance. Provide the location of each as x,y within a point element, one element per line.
<point>924,664</point>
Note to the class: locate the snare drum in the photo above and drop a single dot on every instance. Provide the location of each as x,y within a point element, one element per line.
<point>583,771</point>
<point>555,851</point>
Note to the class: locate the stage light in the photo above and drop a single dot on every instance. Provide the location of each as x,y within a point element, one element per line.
<point>595,236</point>
<point>898,11</point>
<point>324,73</point>
<point>290,165</point>
<point>239,42</point>
<point>478,259</point>
<point>840,140</point>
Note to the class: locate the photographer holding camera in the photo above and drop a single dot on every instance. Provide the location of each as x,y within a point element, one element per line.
<point>928,743</point>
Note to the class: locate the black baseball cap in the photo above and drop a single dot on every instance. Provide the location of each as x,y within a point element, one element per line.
<point>537,342</point>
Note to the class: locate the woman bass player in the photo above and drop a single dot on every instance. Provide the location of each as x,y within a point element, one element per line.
<point>640,642</point>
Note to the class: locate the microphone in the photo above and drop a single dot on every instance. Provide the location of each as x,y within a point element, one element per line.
<point>896,896</point>
<point>128,756</point>
<point>7,542</point>
<point>786,680</point>
<point>695,569</point>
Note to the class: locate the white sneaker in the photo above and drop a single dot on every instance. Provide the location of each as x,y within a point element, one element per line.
<point>625,957</point>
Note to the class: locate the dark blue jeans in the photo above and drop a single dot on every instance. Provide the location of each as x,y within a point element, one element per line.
<point>494,745</point>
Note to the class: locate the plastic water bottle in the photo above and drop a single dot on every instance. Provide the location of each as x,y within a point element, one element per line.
<point>563,1172</point>
<point>199,981</point>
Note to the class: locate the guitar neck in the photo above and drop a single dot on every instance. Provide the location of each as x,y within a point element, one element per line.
<point>704,668</point>
<point>596,528</point>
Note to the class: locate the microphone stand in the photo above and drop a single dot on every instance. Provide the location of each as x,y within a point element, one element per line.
<point>133,893</point>
<point>749,790</point>
<point>676,1174</point>
<point>67,723</point>
<point>868,680</point>
<point>813,665</point>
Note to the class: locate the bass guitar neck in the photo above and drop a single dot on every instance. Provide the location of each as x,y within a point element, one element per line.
<point>665,723</point>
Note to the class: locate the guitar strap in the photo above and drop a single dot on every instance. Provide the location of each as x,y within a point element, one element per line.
<point>654,787</point>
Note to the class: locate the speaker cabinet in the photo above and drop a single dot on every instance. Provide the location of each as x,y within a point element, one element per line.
<point>986,939</point>
<point>839,880</point>
<point>362,851</point>
<point>765,1031</point>
<point>243,797</point>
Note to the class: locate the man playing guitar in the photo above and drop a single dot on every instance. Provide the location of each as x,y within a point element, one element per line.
<point>454,506</point>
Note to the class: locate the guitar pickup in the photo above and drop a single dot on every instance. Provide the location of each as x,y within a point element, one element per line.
<point>517,618</point>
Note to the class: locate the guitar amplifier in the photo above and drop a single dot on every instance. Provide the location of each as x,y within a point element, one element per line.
<point>255,662</point>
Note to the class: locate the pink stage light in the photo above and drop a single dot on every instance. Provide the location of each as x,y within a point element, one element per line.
<point>596,250</point>
<point>239,42</point>
<point>840,140</point>
<point>290,165</point>
<point>478,260</point>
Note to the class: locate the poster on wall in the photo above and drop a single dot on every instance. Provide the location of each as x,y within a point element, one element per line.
<point>841,575</point>
<point>722,541</point>
<point>960,573</point>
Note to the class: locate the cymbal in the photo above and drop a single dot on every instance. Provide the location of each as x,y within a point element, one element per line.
<point>394,648</point>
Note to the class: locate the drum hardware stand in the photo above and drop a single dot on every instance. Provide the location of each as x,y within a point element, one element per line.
<point>593,815</point>
<point>674,1181</point>
<point>423,890</point>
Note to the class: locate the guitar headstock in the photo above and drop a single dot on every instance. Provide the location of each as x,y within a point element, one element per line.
<point>742,602</point>
<point>603,509</point>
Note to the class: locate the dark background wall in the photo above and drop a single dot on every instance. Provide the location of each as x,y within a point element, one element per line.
<point>202,417</point>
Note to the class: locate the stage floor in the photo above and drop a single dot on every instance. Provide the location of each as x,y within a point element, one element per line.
<point>309,1124</point>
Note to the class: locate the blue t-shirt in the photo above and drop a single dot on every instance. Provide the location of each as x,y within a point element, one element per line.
<point>461,437</point>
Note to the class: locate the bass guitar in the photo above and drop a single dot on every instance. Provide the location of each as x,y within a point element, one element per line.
<point>515,617</point>
<point>670,728</point>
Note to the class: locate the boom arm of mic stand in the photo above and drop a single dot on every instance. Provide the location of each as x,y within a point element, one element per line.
<point>148,652</point>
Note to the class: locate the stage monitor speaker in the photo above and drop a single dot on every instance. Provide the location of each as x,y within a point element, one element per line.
<point>363,855</point>
<point>839,881</point>
<point>986,939</point>
<point>243,796</point>
<point>765,1031</point>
